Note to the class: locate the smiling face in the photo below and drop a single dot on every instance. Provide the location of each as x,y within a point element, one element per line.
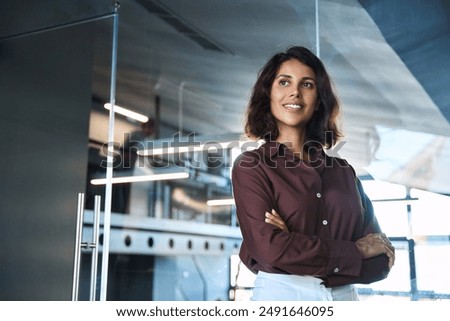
<point>293,96</point>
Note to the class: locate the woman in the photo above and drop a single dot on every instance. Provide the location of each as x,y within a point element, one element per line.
<point>309,231</point>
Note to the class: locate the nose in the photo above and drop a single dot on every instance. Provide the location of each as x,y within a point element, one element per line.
<point>296,93</point>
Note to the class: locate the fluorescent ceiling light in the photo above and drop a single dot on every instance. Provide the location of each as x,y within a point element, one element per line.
<point>397,200</point>
<point>142,178</point>
<point>127,112</point>
<point>187,148</point>
<point>195,143</point>
<point>229,201</point>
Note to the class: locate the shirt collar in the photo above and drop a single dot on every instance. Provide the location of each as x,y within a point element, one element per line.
<point>273,148</point>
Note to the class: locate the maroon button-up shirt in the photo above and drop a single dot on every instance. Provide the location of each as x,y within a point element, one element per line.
<point>323,206</point>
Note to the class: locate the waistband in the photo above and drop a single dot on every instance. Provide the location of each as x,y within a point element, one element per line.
<point>291,279</point>
<point>273,286</point>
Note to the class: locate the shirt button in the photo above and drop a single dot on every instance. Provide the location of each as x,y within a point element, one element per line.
<point>324,222</point>
<point>319,195</point>
<point>336,270</point>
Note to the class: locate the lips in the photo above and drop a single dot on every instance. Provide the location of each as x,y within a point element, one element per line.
<point>293,106</point>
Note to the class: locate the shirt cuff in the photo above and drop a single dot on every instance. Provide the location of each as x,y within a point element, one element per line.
<point>345,258</point>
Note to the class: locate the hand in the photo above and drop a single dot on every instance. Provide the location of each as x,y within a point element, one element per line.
<point>375,244</point>
<point>275,219</point>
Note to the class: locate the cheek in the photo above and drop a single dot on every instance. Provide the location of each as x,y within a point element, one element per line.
<point>314,98</point>
<point>276,96</point>
<point>273,99</point>
<point>273,110</point>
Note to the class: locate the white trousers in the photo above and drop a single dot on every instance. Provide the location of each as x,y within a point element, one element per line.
<point>284,287</point>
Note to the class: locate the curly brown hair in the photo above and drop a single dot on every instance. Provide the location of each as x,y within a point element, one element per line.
<point>322,128</point>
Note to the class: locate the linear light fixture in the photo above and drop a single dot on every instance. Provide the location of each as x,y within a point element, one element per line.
<point>399,200</point>
<point>141,178</point>
<point>183,149</point>
<point>194,143</point>
<point>127,113</point>
<point>228,201</point>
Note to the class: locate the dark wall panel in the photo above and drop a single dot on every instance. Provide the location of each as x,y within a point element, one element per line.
<point>22,16</point>
<point>45,94</point>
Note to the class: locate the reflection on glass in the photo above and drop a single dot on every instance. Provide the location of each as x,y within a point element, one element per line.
<point>190,66</point>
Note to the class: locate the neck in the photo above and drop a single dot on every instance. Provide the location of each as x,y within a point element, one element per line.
<point>294,139</point>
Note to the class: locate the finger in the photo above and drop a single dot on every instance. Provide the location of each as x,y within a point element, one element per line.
<point>389,244</point>
<point>275,213</point>
<point>276,221</point>
<point>391,256</point>
<point>275,218</point>
<point>272,220</point>
<point>391,247</point>
<point>275,224</point>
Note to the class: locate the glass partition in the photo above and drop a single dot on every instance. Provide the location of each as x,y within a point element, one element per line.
<point>189,67</point>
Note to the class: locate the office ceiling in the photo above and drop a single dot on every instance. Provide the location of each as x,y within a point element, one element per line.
<point>389,61</point>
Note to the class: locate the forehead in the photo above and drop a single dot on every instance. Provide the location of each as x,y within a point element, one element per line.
<point>295,68</point>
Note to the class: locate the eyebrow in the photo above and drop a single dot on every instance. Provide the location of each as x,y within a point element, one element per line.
<point>288,76</point>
